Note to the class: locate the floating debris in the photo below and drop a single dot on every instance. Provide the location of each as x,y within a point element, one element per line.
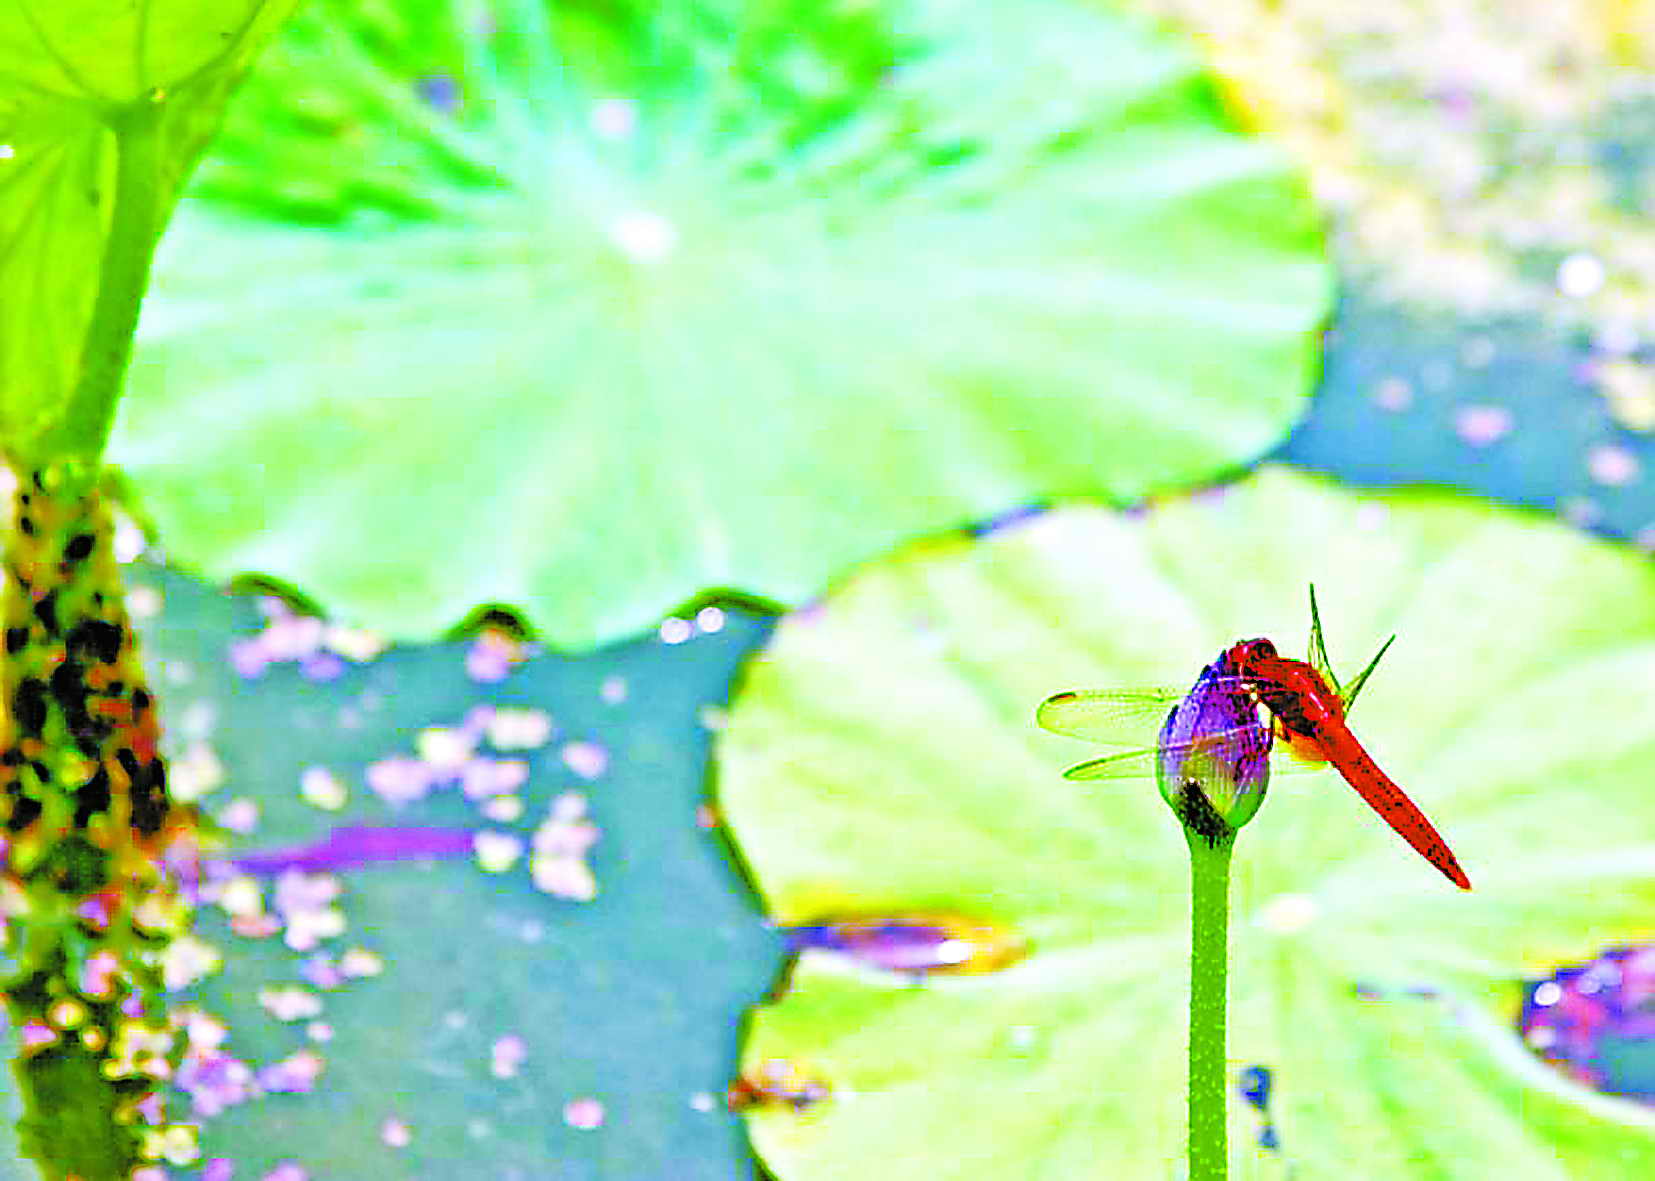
<point>322,788</point>
<point>518,728</point>
<point>1393,394</point>
<point>503,809</point>
<point>777,1083</point>
<point>497,851</point>
<point>187,960</point>
<point>239,816</point>
<point>286,1171</point>
<point>195,772</point>
<point>448,757</point>
<point>507,1055</point>
<point>586,1114</point>
<point>320,971</point>
<point>320,649</point>
<point>558,865</point>
<point>484,778</point>
<point>446,749</point>
<point>400,780</point>
<point>1612,465</point>
<point>1628,387</point>
<point>919,944</point>
<point>290,1003</point>
<point>1596,1021</point>
<point>358,962</point>
<point>294,1075</point>
<point>490,658</point>
<point>588,760</point>
<point>305,904</point>
<point>143,601</point>
<point>1482,426</point>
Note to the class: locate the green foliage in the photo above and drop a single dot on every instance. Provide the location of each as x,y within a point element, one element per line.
<point>585,315</point>
<point>882,757</point>
<point>103,110</point>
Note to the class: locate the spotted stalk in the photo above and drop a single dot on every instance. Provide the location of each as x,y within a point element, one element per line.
<point>91,890</point>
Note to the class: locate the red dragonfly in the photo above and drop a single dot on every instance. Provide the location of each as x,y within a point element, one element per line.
<point>1307,709</point>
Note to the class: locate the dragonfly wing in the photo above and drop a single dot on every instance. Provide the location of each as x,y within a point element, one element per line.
<point>1141,763</point>
<point>1110,716</point>
<point>1130,764</point>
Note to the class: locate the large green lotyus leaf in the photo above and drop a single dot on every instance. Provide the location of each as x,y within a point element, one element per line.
<point>83,84</point>
<point>882,758</point>
<point>586,314</point>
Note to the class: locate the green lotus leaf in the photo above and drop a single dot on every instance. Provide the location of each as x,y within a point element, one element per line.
<point>587,314</point>
<point>882,759</point>
<point>99,55</point>
<point>71,77</point>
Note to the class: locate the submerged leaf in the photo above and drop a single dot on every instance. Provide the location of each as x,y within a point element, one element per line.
<point>586,313</point>
<point>881,758</point>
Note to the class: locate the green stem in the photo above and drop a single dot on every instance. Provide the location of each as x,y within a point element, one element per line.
<point>1209,1158</point>
<point>135,224</point>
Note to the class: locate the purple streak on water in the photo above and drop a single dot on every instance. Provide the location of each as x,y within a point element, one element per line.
<point>354,846</point>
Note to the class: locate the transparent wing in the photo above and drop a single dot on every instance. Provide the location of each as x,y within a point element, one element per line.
<point>1114,717</point>
<point>1141,763</point>
<point>1131,764</point>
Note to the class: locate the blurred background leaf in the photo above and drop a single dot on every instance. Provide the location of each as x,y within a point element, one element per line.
<point>587,314</point>
<point>881,758</point>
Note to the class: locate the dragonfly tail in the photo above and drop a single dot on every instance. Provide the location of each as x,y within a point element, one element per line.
<point>1394,807</point>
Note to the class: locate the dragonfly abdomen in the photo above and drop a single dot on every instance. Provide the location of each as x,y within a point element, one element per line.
<point>1382,794</point>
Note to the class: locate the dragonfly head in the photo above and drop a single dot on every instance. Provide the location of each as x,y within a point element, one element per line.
<point>1245,653</point>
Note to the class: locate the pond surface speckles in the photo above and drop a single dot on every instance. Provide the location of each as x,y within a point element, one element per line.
<point>585,1113</point>
<point>363,925</point>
